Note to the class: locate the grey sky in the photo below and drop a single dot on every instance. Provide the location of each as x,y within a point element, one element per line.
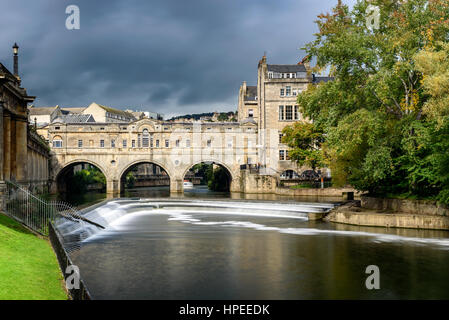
<point>173,57</point>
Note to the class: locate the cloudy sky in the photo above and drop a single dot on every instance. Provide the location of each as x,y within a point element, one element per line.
<point>168,56</point>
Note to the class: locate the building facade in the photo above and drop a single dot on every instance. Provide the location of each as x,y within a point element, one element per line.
<point>272,104</point>
<point>24,155</point>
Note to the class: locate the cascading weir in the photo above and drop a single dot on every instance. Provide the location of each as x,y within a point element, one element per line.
<point>107,215</point>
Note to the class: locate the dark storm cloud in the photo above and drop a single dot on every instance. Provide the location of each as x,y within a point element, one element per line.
<point>173,57</point>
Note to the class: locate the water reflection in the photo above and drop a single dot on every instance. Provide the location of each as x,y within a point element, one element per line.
<point>201,255</point>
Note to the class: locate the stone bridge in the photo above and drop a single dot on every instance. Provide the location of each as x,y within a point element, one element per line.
<point>115,148</point>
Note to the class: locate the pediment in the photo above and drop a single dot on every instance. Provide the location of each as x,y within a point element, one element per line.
<point>146,124</point>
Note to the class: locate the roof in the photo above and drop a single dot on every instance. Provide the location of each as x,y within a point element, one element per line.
<point>41,111</point>
<point>5,70</point>
<point>322,79</point>
<point>72,110</point>
<point>75,118</point>
<point>286,68</point>
<point>116,111</point>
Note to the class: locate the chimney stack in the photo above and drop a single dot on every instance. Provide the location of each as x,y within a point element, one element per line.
<point>15,50</point>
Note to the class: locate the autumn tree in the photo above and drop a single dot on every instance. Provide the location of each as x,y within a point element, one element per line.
<point>389,93</point>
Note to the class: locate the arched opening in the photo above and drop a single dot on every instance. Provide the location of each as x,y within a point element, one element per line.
<point>207,176</point>
<point>145,179</point>
<point>81,182</point>
<point>289,175</point>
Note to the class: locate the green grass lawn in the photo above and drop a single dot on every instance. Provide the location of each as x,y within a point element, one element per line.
<point>28,266</point>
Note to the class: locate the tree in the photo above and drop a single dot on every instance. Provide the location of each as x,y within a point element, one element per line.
<point>305,139</point>
<point>388,98</point>
<point>223,117</point>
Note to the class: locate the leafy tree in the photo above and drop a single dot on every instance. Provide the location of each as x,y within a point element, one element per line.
<point>305,139</point>
<point>130,179</point>
<point>384,117</point>
<point>223,117</point>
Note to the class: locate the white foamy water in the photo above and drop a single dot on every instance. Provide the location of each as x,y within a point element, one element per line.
<point>116,214</point>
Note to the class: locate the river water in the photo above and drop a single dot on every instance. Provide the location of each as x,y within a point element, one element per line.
<point>217,246</point>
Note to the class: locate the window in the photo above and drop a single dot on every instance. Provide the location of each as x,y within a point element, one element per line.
<point>102,128</point>
<point>209,143</point>
<point>151,142</point>
<point>145,138</point>
<point>288,91</point>
<point>287,157</point>
<point>167,143</point>
<point>57,128</point>
<point>125,143</point>
<point>296,113</point>
<point>133,143</point>
<point>177,143</point>
<point>229,143</point>
<point>282,92</point>
<point>280,137</point>
<point>57,143</point>
<point>288,113</point>
<point>80,143</point>
<point>187,143</point>
<point>281,155</point>
<point>139,139</point>
<point>157,143</point>
<point>281,113</point>
<point>250,113</point>
<point>112,143</point>
<point>101,143</point>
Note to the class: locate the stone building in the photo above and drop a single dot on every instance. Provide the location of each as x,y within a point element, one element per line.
<point>24,156</point>
<point>272,104</point>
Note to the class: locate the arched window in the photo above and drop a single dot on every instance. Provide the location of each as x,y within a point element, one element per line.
<point>145,138</point>
<point>57,142</point>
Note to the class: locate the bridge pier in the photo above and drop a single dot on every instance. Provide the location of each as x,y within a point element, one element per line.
<point>113,187</point>
<point>176,185</point>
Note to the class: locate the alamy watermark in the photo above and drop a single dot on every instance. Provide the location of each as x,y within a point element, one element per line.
<point>372,282</point>
<point>373,17</point>
<point>73,279</point>
<point>73,20</point>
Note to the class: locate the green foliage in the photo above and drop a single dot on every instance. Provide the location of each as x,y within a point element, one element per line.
<point>79,182</point>
<point>218,179</point>
<point>384,120</point>
<point>305,139</point>
<point>130,180</point>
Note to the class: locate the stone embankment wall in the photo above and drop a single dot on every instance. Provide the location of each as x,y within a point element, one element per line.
<point>393,213</point>
<point>419,207</point>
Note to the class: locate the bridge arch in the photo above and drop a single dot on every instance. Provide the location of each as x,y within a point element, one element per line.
<point>124,171</point>
<point>229,172</point>
<point>61,175</point>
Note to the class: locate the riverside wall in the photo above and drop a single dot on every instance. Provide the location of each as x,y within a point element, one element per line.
<point>392,213</point>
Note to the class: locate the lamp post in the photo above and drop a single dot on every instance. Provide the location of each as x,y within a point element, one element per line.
<point>15,50</point>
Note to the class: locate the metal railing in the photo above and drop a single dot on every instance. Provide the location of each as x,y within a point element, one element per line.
<point>36,213</point>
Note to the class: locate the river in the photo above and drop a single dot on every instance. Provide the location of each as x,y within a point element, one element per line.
<point>222,246</point>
